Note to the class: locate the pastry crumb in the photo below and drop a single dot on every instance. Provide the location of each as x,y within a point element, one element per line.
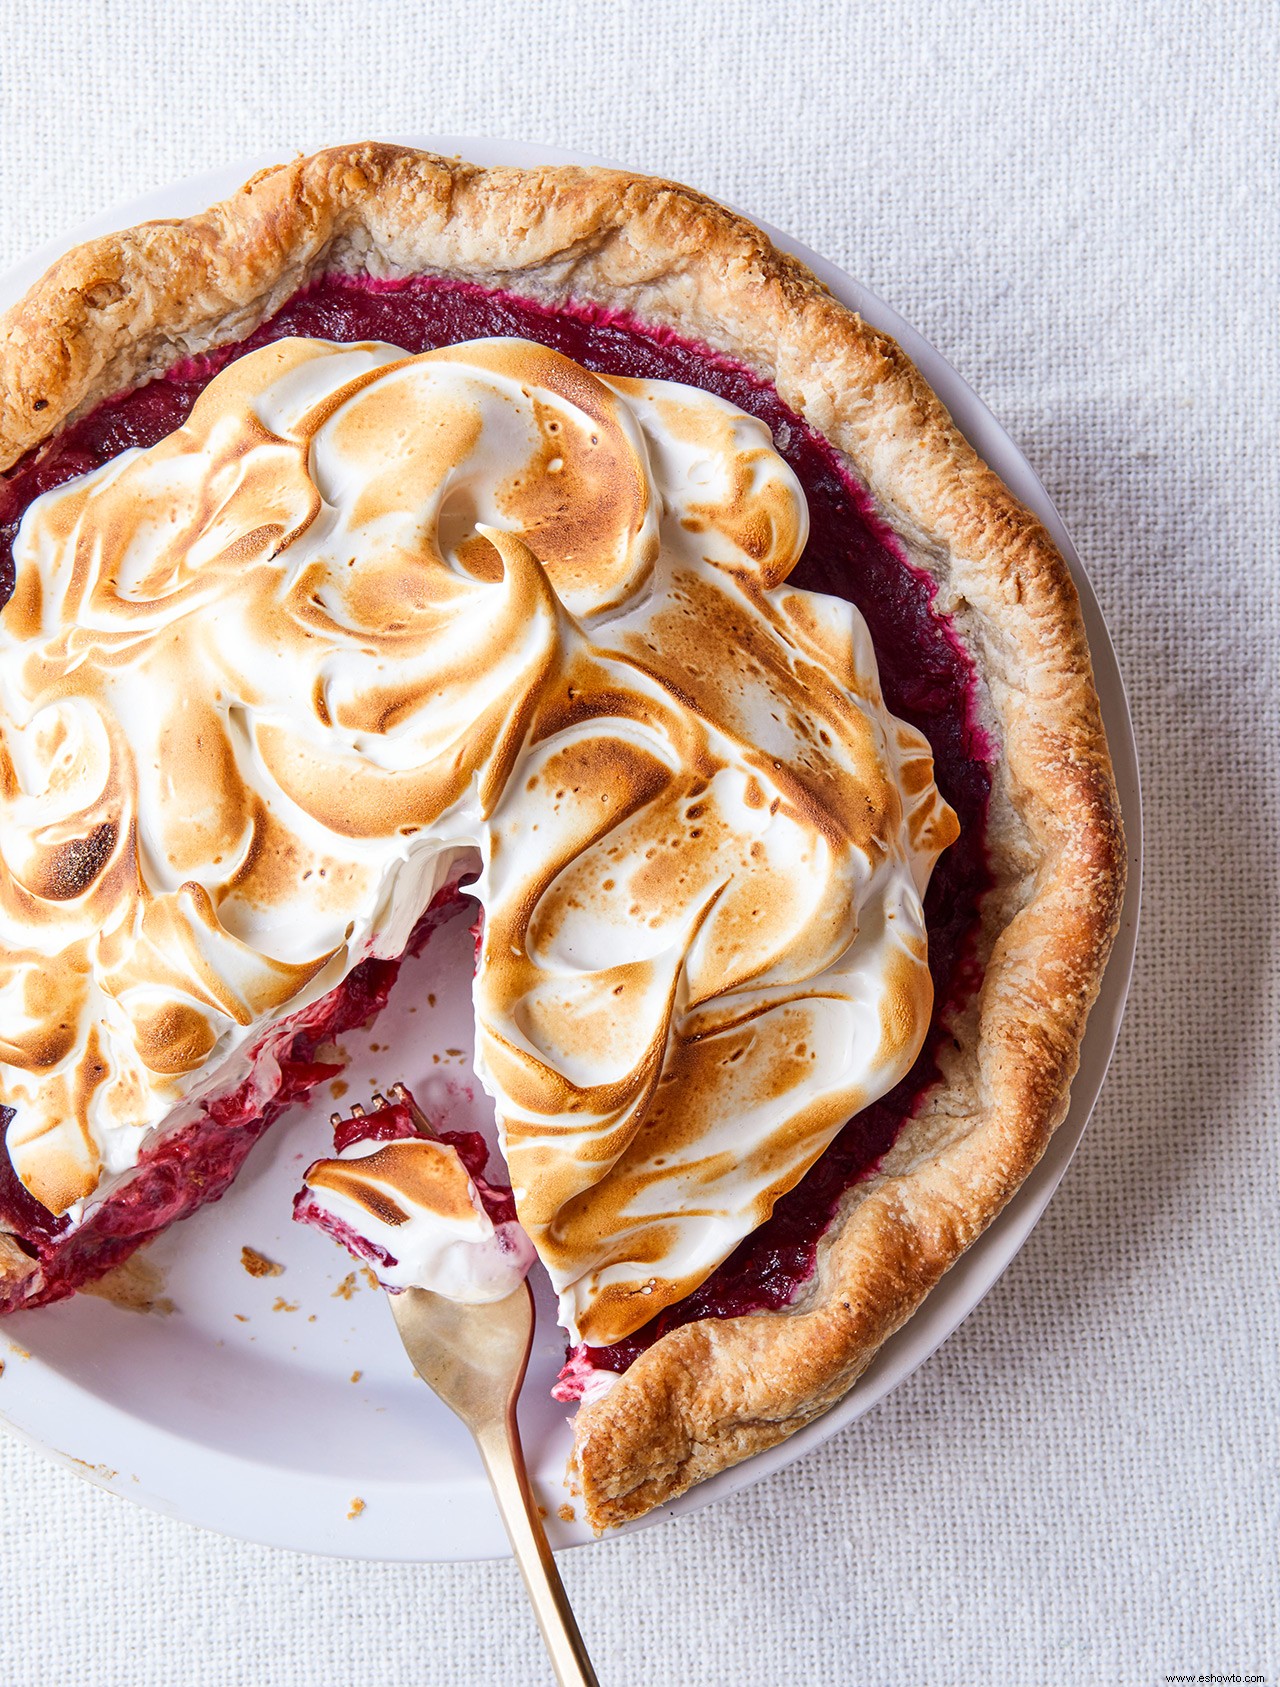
<point>18,1352</point>
<point>369,1277</point>
<point>567,1514</point>
<point>258,1265</point>
<point>357,1506</point>
<point>283,1305</point>
<point>346,1288</point>
<point>239,1317</point>
<point>338,1088</point>
<point>542,1511</point>
<point>356,1375</point>
<point>311,1317</point>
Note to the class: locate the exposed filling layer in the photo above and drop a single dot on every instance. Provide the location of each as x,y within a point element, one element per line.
<point>925,675</point>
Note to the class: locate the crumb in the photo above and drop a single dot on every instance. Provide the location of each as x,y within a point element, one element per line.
<point>283,1305</point>
<point>239,1317</point>
<point>431,998</point>
<point>375,1048</point>
<point>357,1506</point>
<point>457,1052</point>
<point>258,1265</point>
<point>542,1511</point>
<point>567,1514</point>
<point>356,1375</point>
<point>346,1288</point>
<point>338,1088</point>
<point>311,1317</point>
<point>369,1277</point>
<point>413,1007</point>
<point>435,1060</point>
<point>18,1352</point>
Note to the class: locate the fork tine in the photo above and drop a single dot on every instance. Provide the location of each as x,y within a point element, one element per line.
<point>419,1118</point>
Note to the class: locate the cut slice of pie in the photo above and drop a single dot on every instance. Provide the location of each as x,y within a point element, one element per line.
<point>399,526</point>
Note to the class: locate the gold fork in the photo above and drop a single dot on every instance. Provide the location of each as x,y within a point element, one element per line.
<point>474,1359</point>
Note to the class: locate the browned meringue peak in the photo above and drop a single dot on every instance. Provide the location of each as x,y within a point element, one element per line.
<point>367,616</point>
<point>413,1203</point>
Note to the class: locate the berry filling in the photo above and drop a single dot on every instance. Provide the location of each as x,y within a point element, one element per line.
<point>927,679</point>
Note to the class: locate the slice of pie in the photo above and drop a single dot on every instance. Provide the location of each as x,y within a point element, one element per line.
<point>401,534</point>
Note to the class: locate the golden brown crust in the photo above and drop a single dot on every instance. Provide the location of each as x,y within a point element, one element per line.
<point>111,313</point>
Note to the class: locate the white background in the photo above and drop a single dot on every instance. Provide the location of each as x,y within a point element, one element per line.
<point>1078,205</point>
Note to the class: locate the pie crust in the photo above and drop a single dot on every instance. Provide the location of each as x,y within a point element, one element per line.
<point>115,312</point>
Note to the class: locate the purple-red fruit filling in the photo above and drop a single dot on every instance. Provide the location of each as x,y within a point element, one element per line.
<point>926,675</point>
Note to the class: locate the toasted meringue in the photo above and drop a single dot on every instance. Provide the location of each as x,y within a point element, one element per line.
<point>368,620</point>
<point>410,1210</point>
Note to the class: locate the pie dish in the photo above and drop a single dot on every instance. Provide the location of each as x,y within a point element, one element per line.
<point>650,270</point>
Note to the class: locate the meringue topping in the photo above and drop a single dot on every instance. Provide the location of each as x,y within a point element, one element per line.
<point>369,620</point>
<point>410,1208</point>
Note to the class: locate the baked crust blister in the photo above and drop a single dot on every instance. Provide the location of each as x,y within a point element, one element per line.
<point>115,312</point>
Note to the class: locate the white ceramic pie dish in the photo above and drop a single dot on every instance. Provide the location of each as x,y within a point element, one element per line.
<point>252,1424</point>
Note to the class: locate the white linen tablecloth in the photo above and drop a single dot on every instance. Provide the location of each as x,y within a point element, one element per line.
<point>1077,203</point>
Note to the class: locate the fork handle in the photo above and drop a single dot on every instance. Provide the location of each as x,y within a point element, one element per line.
<point>504,1461</point>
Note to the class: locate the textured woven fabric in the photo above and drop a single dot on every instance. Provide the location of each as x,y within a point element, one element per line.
<point>1078,205</point>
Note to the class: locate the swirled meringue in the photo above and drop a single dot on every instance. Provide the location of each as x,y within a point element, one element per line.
<point>369,618</point>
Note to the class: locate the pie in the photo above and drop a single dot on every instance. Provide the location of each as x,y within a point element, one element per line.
<point>400,528</point>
